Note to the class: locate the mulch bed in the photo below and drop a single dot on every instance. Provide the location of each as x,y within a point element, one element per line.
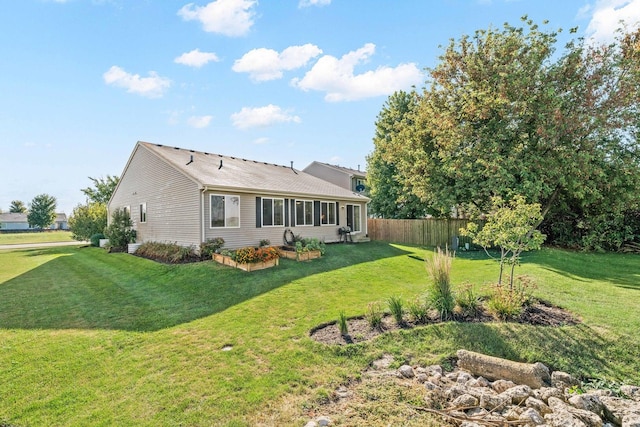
<point>541,313</point>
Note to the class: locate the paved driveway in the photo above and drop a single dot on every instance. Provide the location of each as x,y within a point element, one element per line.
<point>41,245</point>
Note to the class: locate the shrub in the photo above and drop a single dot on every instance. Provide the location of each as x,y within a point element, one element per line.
<point>88,220</point>
<point>250,255</point>
<point>441,294</point>
<point>95,239</point>
<point>508,303</point>
<point>374,315</point>
<point>211,246</point>
<point>171,253</point>
<point>342,323</point>
<point>419,310</point>
<point>396,307</point>
<point>264,242</point>
<point>310,244</point>
<point>120,232</point>
<point>468,301</point>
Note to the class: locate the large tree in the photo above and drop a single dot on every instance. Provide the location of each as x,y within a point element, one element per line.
<point>102,189</point>
<point>42,212</point>
<point>505,114</point>
<point>391,198</point>
<point>17,206</point>
<point>87,220</point>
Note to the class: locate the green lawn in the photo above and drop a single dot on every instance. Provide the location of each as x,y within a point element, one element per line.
<point>91,338</point>
<point>35,237</point>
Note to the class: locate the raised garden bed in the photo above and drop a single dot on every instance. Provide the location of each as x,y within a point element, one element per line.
<point>290,252</point>
<point>226,260</point>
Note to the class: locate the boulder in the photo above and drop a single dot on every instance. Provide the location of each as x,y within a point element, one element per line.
<point>534,375</point>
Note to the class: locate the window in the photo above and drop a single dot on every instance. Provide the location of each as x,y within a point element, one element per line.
<point>225,211</point>
<point>127,210</point>
<point>354,219</point>
<point>304,212</point>
<point>272,212</point>
<point>143,212</point>
<point>328,213</point>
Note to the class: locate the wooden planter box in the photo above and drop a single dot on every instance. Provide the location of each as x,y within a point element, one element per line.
<point>300,256</point>
<point>226,260</point>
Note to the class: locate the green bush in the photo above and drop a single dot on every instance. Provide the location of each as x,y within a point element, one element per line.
<point>508,303</point>
<point>88,220</point>
<point>95,239</point>
<point>264,242</point>
<point>170,253</point>
<point>396,307</point>
<point>120,232</point>
<point>419,310</point>
<point>342,323</point>
<point>309,244</point>
<point>374,315</point>
<point>211,246</point>
<point>468,301</point>
<point>441,294</point>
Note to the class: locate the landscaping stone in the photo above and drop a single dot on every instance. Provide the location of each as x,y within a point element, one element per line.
<point>478,401</point>
<point>493,368</point>
<point>632,391</point>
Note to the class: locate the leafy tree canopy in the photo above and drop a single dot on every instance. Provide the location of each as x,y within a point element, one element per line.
<point>102,189</point>
<point>503,114</point>
<point>87,220</point>
<point>17,206</point>
<point>42,212</point>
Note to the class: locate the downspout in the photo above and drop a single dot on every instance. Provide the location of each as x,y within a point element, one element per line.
<point>204,189</point>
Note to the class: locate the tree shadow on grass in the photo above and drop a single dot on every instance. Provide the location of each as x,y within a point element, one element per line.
<point>578,349</point>
<point>87,288</point>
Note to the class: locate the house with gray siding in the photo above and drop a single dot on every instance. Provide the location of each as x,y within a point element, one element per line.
<point>19,221</point>
<point>187,197</point>
<point>352,179</point>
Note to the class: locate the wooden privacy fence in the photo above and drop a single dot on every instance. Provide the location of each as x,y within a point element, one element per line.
<point>424,232</point>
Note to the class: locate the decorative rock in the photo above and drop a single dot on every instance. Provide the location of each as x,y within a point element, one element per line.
<point>463,377</point>
<point>421,377</point>
<point>588,402</point>
<point>430,386</point>
<point>562,380</point>
<point>434,369</point>
<point>435,378</point>
<point>493,402</point>
<point>531,416</point>
<point>464,401</point>
<point>538,405</point>
<point>512,414</point>
<point>478,382</point>
<point>493,368</point>
<point>563,419</point>
<point>477,412</point>
<point>517,394</point>
<point>545,393</point>
<point>406,371</point>
<point>455,392</point>
<point>502,385</point>
<point>620,411</point>
<point>311,424</point>
<point>323,421</point>
<point>588,418</point>
<point>632,391</point>
<point>470,424</point>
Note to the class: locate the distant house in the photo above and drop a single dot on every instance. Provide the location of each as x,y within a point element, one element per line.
<point>186,196</point>
<point>18,221</point>
<point>352,179</point>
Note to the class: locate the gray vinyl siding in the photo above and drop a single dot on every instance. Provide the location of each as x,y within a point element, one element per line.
<point>250,235</point>
<point>333,176</point>
<point>172,199</point>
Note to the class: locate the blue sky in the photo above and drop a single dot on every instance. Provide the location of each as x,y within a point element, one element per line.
<point>272,80</point>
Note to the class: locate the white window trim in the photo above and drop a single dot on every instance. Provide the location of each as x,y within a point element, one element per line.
<point>273,212</point>
<point>335,216</point>
<point>303,212</point>
<point>211,195</point>
<point>347,219</point>
<point>143,213</point>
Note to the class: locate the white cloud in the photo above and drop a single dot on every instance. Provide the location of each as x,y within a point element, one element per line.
<point>262,140</point>
<point>231,18</point>
<point>261,117</point>
<point>199,122</point>
<point>307,3</point>
<point>606,17</point>
<point>336,77</point>
<point>151,87</point>
<point>267,64</point>
<point>195,58</point>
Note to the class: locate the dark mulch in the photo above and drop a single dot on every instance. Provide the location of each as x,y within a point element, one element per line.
<point>541,313</point>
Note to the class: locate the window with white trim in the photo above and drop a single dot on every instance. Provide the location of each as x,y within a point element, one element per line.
<point>272,212</point>
<point>304,212</point>
<point>225,211</point>
<point>127,211</point>
<point>328,213</point>
<point>143,212</point>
